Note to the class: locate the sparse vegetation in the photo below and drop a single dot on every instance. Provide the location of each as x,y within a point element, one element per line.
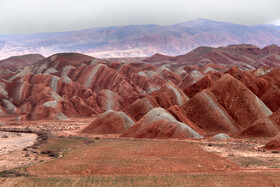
<point>4,136</point>
<point>193,180</point>
<point>13,173</point>
<point>249,161</point>
<point>134,163</point>
<point>51,153</point>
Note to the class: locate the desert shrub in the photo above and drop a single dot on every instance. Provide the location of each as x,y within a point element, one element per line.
<point>5,136</point>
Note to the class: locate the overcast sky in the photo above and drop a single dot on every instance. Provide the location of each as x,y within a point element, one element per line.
<point>32,16</point>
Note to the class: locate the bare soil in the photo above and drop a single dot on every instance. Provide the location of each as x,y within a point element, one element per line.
<point>108,160</point>
<point>247,153</point>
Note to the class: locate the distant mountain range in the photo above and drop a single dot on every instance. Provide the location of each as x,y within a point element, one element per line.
<point>140,40</point>
<point>245,56</point>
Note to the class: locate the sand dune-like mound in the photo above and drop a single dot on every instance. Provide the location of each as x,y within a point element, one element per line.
<point>60,60</point>
<point>240,103</point>
<point>109,100</point>
<point>271,98</point>
<point>274,143</point>
<point>191,78</point>
<point>8,107</point>
<point>158,123</point>
<point>141,106</point>
<point>49,110</point>
<point>140,79</point>
<point>81,107</point>
<point>168,95</point>
<point>243,55</point>
<point>158,58</point>
<point>180,115</point>
<point>262,70</point>
<point>256,84</point>
<point>275,117</point>
<point>204,83</point>
<point>205,97</point>
<point>220,137</point>
<point>205,111</point>
<point>32,91</point>
<point>261,128</point>
<point>168,75</point>
<point>99,77</point>
<point>212,67</point>
<point>110,122</point>
<point>155,78</point>
<point>16,62</point>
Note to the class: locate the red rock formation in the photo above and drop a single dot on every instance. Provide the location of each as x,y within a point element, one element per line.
<point>101,77</point>
<point>109,100</point>
<point>59,61</point>
<point>155,78</point>
<point>261,128</point>
<point>271,98</point>
<point>190,79</point>
<point>271,95</point>
<point>274,143</point>
<point>168,75</point>
<point>204,83</point>
<point>139,78</point>
<point>165,97</point>
<point>81,107</point>
<point>143,66</point>
<point>204,110</point>
<point>110,122</point>
<point>141,106</point>
<point>16,62</point>
<point>270,49</point>
<point>115,65</point>
<point>221,56</point>
<point>275,117</point>
<point>211,67</point>
<point>168,95</point>
<point>256,84</point>
<point>158,123</point>
<point>190,68</point>
<point>75,85</point>
<point>245,48</point>
<point>180,115</point>
<point>262,71</point>
<point>241,104</point>
<point>271,60</point>
<point>158,58</point>
<point>50,110</point>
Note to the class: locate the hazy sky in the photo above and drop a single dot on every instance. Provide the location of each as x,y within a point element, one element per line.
<point>31,16</point>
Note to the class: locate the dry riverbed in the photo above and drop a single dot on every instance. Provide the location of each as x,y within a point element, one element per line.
<point>12,153</point>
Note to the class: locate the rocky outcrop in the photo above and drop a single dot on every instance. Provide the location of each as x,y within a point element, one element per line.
<point>240,103</point>
<point>261,128</point>
<point>110,122</point>
<point>158,123</point>
<point>274,143</point>
<point>205,111</point>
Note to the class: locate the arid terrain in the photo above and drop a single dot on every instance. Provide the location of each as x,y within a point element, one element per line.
<point>210,117</point>
<point>140,40</point>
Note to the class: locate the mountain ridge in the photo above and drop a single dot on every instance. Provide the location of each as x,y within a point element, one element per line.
<point>140,40</point>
